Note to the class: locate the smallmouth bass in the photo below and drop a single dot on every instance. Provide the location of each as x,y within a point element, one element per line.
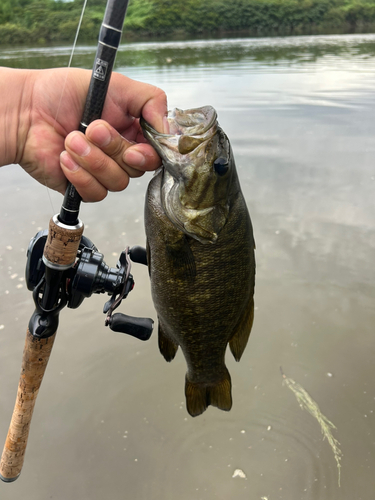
<point>200,251</point>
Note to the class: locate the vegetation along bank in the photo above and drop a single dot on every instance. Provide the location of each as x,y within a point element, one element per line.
<point>48,21</point>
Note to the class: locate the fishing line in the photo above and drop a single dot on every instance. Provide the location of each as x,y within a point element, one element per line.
<point>63,90</point>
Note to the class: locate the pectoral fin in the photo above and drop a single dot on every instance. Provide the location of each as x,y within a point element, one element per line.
<point>239,340</point>
<point>182,260</point>
<point>206,223</point>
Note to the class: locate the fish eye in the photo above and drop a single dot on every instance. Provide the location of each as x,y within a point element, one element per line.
<point>221,165</point>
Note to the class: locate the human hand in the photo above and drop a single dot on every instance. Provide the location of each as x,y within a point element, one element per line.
<point>113,149</point>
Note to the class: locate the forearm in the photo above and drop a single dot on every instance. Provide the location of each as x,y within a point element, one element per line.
<point>15,105</point>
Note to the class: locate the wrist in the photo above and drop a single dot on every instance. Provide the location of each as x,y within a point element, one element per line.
<point>16,97</point>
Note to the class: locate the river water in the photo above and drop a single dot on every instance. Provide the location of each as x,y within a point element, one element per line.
<point>110,420</point>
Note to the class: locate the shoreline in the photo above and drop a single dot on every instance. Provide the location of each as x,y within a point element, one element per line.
<point>131,37</point>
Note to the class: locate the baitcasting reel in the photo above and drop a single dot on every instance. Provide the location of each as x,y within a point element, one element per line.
<point>90,274</point>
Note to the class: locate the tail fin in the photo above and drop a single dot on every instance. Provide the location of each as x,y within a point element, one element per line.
<point>199,396</point>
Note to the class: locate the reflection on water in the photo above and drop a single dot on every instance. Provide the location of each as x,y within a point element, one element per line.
<point>250,51</point>
<point>299,114</point>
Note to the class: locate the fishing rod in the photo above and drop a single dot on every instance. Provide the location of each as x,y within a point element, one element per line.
<point>64,267</point>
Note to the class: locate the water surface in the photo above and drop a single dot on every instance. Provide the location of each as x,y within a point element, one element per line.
<point>110,418</point>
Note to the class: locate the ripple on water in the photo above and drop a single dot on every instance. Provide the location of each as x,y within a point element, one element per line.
<point>280,456</point>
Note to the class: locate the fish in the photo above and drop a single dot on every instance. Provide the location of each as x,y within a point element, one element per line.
<point>200,253</point>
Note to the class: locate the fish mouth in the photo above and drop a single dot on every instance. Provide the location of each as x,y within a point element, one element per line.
<point>188,129</point>
<point>186,152</point>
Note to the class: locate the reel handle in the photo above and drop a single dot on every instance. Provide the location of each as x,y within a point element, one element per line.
<point>140,328</point>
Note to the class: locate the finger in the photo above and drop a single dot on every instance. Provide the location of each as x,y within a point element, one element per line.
<point>137,99</point>
<point>133,158</point>
<point>89,188</point>
<point>143,157</point>
<point>106,170</point>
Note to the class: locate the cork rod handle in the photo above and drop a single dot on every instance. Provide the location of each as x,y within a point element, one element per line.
<point>35,358</point>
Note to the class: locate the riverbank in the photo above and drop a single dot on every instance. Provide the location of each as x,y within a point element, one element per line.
<point>47,21</point>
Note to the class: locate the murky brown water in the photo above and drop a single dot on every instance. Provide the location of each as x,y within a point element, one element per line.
<point>110,420</point>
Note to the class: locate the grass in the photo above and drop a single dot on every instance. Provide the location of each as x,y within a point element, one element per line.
<point>306,402</point>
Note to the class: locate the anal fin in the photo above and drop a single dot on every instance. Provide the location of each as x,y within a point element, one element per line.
<point>166,346</point>
<point>239,340</point>
<point>200,396</point>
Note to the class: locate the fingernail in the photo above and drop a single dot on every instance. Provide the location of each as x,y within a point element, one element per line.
<point>100,135</point>
<point>134,158</point>
<point>77,143</point>
<point>67,162</point>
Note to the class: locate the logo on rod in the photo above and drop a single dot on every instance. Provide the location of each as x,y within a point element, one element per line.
<point>100,69</point>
